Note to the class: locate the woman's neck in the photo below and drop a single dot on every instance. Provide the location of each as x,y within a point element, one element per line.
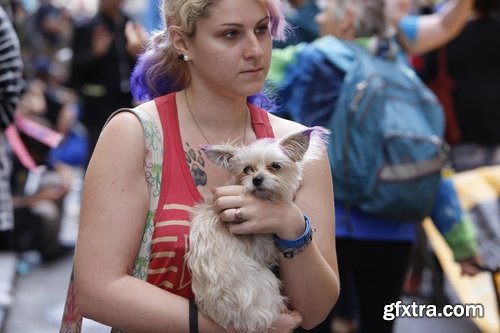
<point>213,111</point>
<point>215,119</point>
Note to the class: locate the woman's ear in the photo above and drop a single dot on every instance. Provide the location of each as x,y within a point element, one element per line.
<point>347,24</point>
<point>179,40</point>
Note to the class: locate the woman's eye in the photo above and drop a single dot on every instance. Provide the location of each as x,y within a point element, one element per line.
<point>231,34</point>
<point>247,170</point>
<point>261,29</point>
<point>275,166</point>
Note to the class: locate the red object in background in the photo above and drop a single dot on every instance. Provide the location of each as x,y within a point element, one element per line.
<point>442,85</point>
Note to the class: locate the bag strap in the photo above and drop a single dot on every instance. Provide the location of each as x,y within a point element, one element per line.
<point>153,159</point>
<point>338,52</point>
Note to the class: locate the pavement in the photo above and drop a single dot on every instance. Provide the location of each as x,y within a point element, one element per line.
<point>39,300</point>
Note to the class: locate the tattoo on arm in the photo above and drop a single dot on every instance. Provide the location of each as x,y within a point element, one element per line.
<point>196,165</point>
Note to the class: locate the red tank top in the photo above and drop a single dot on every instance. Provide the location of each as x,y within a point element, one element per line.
<point>169,244</point>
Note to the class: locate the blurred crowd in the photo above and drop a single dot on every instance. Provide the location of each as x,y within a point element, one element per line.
<point>77,57</point>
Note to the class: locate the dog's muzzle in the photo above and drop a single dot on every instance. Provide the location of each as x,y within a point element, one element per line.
<point>257,181</point>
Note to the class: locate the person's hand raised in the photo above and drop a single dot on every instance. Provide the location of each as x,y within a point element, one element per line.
<point>136,37</point>
<point>101,40</point>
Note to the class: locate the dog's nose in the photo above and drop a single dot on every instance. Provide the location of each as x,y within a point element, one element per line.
<point>257,181</point>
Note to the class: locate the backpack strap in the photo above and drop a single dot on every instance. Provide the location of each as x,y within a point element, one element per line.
<point>153,159</point>
<point>339,52</point>
<point>343,53</point>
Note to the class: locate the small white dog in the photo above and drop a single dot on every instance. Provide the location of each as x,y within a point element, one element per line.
<point>232,276</point>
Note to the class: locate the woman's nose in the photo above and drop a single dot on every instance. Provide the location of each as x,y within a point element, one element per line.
<point>253,47</point>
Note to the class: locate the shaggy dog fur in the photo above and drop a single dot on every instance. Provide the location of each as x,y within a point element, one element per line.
<point>232,276</point>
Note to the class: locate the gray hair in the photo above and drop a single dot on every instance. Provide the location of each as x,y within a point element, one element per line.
<point>370,18</point>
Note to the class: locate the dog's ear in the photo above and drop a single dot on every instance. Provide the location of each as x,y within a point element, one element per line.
<point>219,155</point>
<point>297,144</point>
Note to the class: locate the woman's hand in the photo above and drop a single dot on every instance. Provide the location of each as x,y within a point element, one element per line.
<point>287,322</point>
<point>472,266</point>
<point>136,38</point>
<point>246,214</point>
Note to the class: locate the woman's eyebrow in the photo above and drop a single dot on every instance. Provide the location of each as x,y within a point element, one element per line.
<point>240,25</point>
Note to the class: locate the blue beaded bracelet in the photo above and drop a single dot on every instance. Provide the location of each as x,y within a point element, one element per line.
<point>290,248</point>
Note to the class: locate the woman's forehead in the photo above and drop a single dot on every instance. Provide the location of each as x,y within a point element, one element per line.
<point>238,11</point>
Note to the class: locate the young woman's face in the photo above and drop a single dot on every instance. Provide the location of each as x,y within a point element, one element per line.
<point>231,50</point>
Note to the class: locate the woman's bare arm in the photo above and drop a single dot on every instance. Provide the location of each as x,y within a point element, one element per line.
<point>114,208</point>
<point>311,277</point>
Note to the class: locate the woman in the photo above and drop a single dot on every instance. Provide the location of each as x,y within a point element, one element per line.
<point>216,54</point>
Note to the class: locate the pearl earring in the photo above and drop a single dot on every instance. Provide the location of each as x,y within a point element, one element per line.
<point>183,57</point>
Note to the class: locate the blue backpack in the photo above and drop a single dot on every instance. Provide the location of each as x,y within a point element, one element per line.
<point>387,148</point>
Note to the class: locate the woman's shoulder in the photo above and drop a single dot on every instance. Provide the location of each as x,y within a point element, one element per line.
<point>127,120</point>
<point>282,127</point>
<point>143,112</point>
<point>146,109</point>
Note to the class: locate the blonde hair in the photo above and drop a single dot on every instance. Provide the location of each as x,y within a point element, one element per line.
<point>159,70</point>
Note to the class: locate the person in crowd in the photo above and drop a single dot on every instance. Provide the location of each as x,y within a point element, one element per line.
<point>38,202</point>
<point>61,109</point>
<point>420,32</point>
<point>202,72</point>
<point>373,252</point>
<point>11,86</point>
<point>463,82</point>
<point>39,194</point>
<point>465,75</point>
<point>472,66</point>
<point>105,49</point>
<point>46,35</point>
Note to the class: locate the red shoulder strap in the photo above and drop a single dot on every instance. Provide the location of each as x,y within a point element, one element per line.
<point>260,122</point>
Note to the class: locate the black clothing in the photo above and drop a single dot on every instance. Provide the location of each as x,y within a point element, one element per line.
<point>473,64</point>
<point>101,81</point>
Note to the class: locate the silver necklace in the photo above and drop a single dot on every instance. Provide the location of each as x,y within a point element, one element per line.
<point>199,127</point>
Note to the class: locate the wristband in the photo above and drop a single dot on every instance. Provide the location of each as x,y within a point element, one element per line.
<point>193,317</point>
<point>290,248</point>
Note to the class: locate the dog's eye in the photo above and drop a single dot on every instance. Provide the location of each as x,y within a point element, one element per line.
<point>275,166</point>
<point>248,169</point>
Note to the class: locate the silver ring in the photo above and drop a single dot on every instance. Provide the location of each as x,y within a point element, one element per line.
<point>238,215</point>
